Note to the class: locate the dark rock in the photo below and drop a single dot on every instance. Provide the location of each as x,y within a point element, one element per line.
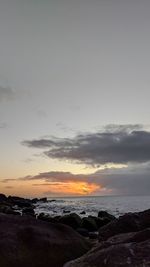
<point>82,231</point>
<point>44,199</point>
<point>121,255</point>
<point>93,235</point>
<point>3,198</point>
<point>104,214</point>
<point>4,208</point>
<point>130,222</point>
<point>72,220</point>
<point>19,201</point>
<point>46,218</point>
<point>99,221</point>
<point>89,224</point>
<point>66,211</point>
<point>26,241</point>
<point>82,212</point>
<point>129,249</point>
<point>34,200</point>
<point>29,211</point>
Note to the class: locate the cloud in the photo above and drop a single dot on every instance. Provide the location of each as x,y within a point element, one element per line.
<point>6,94</point>
<point>131,180</point>
<point>117,144</point>
<point>3,125</point>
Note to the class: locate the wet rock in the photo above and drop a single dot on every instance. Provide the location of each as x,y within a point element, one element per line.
<point>82,212</point>
<point>72,220</point>
<point>66,211</point>
<point>26,241</point>
<point>89,224</point>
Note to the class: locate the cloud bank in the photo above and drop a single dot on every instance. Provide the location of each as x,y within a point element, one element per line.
<point>121,144</point>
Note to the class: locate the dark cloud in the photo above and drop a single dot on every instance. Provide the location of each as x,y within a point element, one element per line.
<point>6,93</point>
<point>115,144</point>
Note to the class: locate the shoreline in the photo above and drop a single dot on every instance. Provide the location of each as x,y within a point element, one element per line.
<point>80,241</point>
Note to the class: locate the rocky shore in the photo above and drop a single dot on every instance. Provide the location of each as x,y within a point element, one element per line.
<point>70,240</point>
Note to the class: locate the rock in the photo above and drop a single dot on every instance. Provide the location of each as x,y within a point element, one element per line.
<point>3,198</point>
<point>19,201</point>
<point>4,208</point>
<point>99,221</point>
<point>82,212</point>
<point>82,231</point>
<point>26,241</point>
<point>72,220</point>
<point>34,200</point>
<point>66,211</point>
<point>44,199</point>
<point>104,214</point>
<point>93,235</point>
<point>130,249</point>
<point>130,222</point>
<point>28,211</point>
<point>89,224</point>
<point>121,255</point>
<point>47,218</point>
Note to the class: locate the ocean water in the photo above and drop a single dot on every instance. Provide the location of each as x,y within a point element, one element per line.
<point>116,205</point>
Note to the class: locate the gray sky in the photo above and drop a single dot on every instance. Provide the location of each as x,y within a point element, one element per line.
<point>69,66</point>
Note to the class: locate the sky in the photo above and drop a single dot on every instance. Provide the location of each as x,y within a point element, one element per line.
<point>74,97</point>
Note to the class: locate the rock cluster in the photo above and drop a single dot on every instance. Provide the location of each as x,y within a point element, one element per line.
<point>124,242</point>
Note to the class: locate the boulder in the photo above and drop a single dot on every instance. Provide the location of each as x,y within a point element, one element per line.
<point>130,249</point>
<point>26,241</point>
<point>72,220</point>
<point>89,224</point>
<point>121,255</point>
<point>105,215</point>
<point>130,222</point>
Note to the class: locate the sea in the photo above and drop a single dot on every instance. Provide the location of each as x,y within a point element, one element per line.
<point>116,205</point>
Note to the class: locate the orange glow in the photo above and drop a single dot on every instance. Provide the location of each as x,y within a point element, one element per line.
<point>30,189</point>
<point>71,188</point>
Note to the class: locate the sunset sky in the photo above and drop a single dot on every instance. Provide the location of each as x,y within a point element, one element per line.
<point>74,97</point>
